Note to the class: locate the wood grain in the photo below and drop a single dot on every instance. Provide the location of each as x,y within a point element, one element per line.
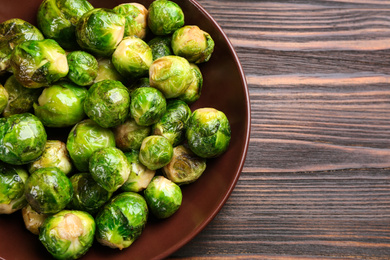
<point>316,182</point>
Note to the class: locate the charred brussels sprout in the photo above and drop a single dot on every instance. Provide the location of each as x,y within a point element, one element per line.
<point>193,44</point>
<point>107,103</point>
<point>136,16</point>
<point>155,152</point>
<point>194,91</point>
<point>57,20</point>
<point>39,63</point>
<point>122,220</point>
<point>109,167</point>
<point>68,234</point>
<point>12,33</point>
<point>100,30</point>
<point>54,155</point>
<point>161,46</point>
<point>106,70</point>
<point>85,138</point>
<point>83,68</point>
<point>163,197</point>
<point>132,58</point>
<point>172,125</point>
<point>48,190</point>
<point>185,167</point>
<point>33,220</point>
<point>61,105</point>
<point>12,182</point>
<point>88,195</point>
<point>165,17</point>
<point>129,135</point>
<point>140,176</point>
<point>172,75</point>
<point>3,98</point>
<point>208,132</point>
<point>22,139</point>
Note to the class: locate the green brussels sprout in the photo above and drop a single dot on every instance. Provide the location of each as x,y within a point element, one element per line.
<point>172,125</point>
<point>106,70</point>
<point>147,105</point>
<point>100,30</point>
<point>85,138</point>
<point>172,75</point>
<point>109,167</point>
<point>22,139</point>
<point>132,58</point>
<point>12,182</point>
<point>129,135</point>
<point>161,46</point>
<point>192,43</point>
<point>122,220</point>
<point>54,155</point>
<point>33,220</point>
<point>88,195</point>
<point>68,234</point>
<point>165,17</point>
<point>83,68</point>
<point>48,190</point>
<point>38,64</point>
<point>61,105</point>
<point>107,103</point>
<point>140,176</point>
<point>208,132</point>
<point>20,98</point>
<point>194,91</point>
<point>139,83</point>
<point>185,166</point>
<point>12,33</point>
<point>155,152</point>
<point>136,19</point>
<point>57,20</point>
<point>163,197</point>
<point>3,98</point>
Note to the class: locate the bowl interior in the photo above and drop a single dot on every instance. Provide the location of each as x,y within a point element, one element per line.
<point>224,89</point>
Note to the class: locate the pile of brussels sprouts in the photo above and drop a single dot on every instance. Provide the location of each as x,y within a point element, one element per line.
<point>121,81</point>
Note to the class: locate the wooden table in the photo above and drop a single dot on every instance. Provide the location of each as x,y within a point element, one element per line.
<point>316,182</point>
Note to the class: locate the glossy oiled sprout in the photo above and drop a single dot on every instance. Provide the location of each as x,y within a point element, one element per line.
<point>22,139</point>
<point>61,105</point>
<point>129,135</point>
<point>106,70</point>
<point>136,19</point>
<point>161,46</point>
<point>33,220</point>
<point>194,91</point>
<point>208,132</point>
<point>83,68</point>
<point>3,98</point>
<point>155,152</point>
<point>57,20</point>
<point>165,17</point>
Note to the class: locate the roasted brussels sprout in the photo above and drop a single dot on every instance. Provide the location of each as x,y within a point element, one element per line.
<point>68,234</point>
<point>140,176</point>
<point>163,197</point>
<point>12,182</point>
<point>165,17</point>
<point>161,46</point>
<point>85,138</point>
<point>194,91</point>
<point>57,20</point>
<point>155,152</point>
<point>33,220</point>
<point>122,220</point>
<point>22,139</point>
<point>106,70</point>
<point>192,43</point>
<point>132,58</point>
<point>100,30</point>
<point>12,33</point>
<point>107,103</point>
<point>48,190</point>
<point>139,83</point>
<point>54,155</point>
<point>185,167</point>
<point>61,105</point>
<point>172,75</point>
<point>129,135</point>
<point>208,132</point>
<point>136,16</point>
<point>88,195</point>
<point>3,98</point>
<point>172,125</point>
<point>83,68</point>
<point>147,105</point>
<point>38,64</point>
<point>109,167</point>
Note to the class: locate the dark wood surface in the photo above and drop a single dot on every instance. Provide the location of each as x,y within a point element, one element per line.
<point>316,182</point>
